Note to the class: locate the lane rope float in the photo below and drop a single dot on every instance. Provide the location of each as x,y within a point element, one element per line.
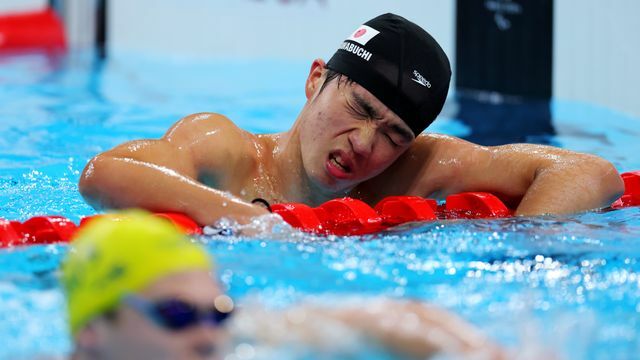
<point>346,216</point>
<point>36,30</point>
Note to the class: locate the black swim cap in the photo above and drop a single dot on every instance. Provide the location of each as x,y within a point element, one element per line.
<point>400,64</point>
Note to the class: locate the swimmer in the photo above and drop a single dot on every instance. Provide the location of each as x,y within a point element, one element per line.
<point>138,289</point>
<point>359,134</point>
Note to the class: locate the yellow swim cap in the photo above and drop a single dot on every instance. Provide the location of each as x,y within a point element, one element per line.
<point>119,254</point>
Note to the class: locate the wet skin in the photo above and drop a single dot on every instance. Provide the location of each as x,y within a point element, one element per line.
<point>345,142</point>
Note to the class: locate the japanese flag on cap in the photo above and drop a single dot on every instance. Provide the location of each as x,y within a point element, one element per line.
<point>363,34</point>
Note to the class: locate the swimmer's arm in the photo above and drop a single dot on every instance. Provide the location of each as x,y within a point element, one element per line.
<point>548,180</point>
<point>161,175</point>
<point>417,329</point>
<point>407,328</point>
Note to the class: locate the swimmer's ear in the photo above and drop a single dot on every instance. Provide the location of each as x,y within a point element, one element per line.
<point>92,338</point>
<point>87,339</point>
<point>315,78</point>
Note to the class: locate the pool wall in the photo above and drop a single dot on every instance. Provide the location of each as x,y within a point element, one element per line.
<point>595,49</point>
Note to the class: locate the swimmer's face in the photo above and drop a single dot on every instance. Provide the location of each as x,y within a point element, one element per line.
<point>348,135</point>
<point>132,335</point>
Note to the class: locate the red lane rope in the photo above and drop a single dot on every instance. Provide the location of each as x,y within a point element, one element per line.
<point>344,216</point>
<point>31,30</point>
<point>631,196</point>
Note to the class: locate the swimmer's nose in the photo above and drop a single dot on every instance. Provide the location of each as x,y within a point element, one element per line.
<point>205,341</point>
<point>361,140</point>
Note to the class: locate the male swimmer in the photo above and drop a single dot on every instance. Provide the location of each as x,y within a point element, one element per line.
<point>359,134</point>
<point>138,289</point>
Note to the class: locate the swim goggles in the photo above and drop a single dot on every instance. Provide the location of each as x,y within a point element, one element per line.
<point>177,315</point>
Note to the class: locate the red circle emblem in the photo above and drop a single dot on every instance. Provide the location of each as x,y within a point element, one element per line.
<point>359,33</point>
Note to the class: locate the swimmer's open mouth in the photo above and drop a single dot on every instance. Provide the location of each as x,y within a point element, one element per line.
<point>337,160</point>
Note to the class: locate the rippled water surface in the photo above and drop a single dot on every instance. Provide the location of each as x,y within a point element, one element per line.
<point>567,284</point>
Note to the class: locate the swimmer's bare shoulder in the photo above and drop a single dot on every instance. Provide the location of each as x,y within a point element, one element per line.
<point>186,170</point>
<point>220,151</point>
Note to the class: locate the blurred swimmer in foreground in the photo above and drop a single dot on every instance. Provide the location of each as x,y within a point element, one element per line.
<point>359,134</point>
<point>138,289</point>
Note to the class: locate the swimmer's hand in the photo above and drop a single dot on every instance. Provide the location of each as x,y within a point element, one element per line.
<point>255,226</point>
<point>419,330</point>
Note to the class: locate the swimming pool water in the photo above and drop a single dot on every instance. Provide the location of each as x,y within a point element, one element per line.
<point>569,284</point>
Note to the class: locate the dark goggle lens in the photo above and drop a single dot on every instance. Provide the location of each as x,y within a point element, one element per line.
<point>178,315</point>
<point>216,317</point>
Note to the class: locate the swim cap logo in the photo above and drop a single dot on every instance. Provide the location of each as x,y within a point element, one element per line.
<point>363,34</point>
<point>420,79</point>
